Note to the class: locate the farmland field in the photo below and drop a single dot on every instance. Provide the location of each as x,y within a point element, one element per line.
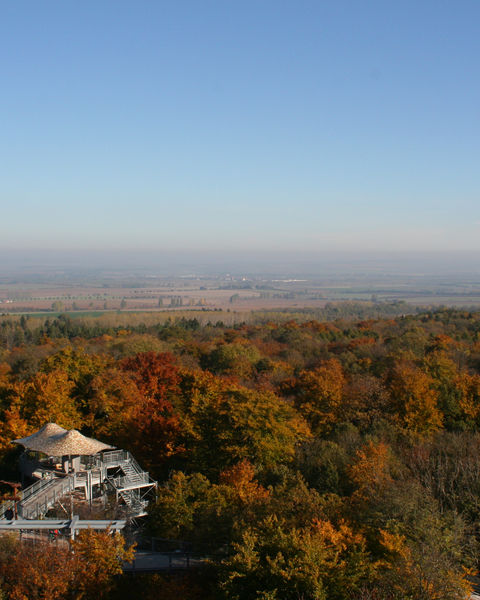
<point>227,293</point>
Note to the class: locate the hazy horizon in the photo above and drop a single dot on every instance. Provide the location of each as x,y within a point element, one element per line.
<point>247,262</point>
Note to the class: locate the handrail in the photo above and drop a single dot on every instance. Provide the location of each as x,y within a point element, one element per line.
<point>114,457</point>
<point>29,493</point>
<point>130,480</point>
<point>136,505</point>
<point>48,497</point>
<point>38,497</point>
<point>35,487</point>
<point>134,463</point>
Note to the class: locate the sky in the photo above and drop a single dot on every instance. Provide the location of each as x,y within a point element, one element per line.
<point>246,126</point>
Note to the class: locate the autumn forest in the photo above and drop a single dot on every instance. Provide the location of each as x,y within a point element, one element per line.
<point>304,459</point>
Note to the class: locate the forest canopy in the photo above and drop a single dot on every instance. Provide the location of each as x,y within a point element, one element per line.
<point>309,459</point>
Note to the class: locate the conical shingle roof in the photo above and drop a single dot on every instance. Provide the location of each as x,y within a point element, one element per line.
<point>38,439</point>
<point>73,442</point>
<point>56,441</point>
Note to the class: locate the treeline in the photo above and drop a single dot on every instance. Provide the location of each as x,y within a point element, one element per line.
<point>17,330</point>
<point>308,459</point>
<point>349,310</point>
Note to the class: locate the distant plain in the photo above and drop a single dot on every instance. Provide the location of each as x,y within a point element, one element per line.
<point>139,292</point>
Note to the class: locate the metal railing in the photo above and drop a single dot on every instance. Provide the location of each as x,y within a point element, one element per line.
<point>134,476</point>
<point>114,457</point>
<point>168,561</point>
<point>26,494</point>
<point>132,500</point>
<point>119,457</point>
<point>128,481</point>
<point>35,488</point>
<point>134,464</point>
<point>39,502</point>
<point>36,499</point>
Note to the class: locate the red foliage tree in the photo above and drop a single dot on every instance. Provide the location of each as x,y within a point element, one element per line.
<point>152,426</point>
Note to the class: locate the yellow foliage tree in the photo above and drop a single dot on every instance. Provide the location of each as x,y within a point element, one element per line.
<point>469,387</point>
<point>223,423</point>
<point>318,394</point>
<point>99,557</point>
<point>46,397</point>
<point>320,561</point>
<point>371,471</point>
<point>415,399</point>
<point>411,576</point>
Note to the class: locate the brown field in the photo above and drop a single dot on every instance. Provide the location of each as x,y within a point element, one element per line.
<point>241,295</point>
<point>146,299</point>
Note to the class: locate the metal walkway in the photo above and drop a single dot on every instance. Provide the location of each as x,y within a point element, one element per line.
<point>36,499</point>
<point>148,562</point>
<point>35,503</point>
<point>73,525</point>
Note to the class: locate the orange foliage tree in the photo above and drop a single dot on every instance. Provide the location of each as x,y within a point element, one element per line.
<point>371,470</point>
<point>45,397</point>
<point>415,399</point>
<point>30,573</point>
<point>318,394</point>
<point>469,388</point>
<point>48,571</point>
<point>98,558</point>
<point>241,478</point>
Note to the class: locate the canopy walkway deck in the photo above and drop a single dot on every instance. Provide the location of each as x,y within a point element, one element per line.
<point>117,469</point>
<point>73,525</point>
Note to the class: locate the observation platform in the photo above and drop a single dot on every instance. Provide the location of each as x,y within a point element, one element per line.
<point>62,461</point>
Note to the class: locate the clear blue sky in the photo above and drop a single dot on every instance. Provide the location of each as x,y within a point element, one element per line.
<point>219,125</point>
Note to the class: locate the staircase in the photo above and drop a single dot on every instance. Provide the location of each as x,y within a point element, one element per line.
<point>42,495</point>
<point>136,506</point>
<point>132,484</point>
<point>133,477</point>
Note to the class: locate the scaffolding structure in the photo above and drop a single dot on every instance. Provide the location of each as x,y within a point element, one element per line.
<point>79,463</point>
